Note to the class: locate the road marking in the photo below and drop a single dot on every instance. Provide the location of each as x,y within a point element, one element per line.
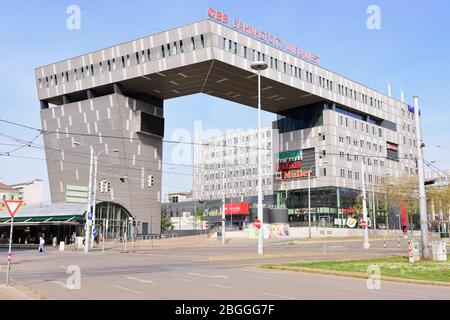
<point>126,289</point>
<point>188,280</point>
<point>218,285</point>
<point>278,296</point>
<point>140,280</point>
<point>206,275</point>
<point>386,292</point>
<point>59,283</point>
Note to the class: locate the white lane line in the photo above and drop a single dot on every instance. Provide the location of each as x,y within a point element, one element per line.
<point>278,296</point>
<point>59,283</point>
<point>187,280</point>
<point>218,285</point>
<point>265,271</point>
<point>126,289</point>
<point>206,275</point>
<point>140,280</point>
<point>385,292</point>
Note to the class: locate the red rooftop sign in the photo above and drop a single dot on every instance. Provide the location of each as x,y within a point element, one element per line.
<point>263,36</point>
<point>236,208</point>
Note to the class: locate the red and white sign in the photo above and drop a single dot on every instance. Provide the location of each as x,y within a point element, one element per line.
<point>257,223</point>
<point>236,208</point>
<point>13,206</point>
<point>261,35</point>
<point>363,224</point>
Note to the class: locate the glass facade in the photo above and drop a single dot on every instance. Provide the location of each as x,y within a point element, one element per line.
<point>300,118</point>
<point>114,216</point>
<point>327,205</point>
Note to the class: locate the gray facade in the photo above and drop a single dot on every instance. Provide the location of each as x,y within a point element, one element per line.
<point>211,58</point>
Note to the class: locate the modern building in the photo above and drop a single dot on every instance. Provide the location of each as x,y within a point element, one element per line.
<point>175,197</point>
<point>113,98</point>
<point>32,192</point>
<point>7,192</point>
<point>227,165</point>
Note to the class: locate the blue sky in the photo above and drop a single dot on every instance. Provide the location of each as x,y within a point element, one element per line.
<point>410,50</point>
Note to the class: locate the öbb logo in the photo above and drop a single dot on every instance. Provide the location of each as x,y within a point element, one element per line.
<point>217,15</point>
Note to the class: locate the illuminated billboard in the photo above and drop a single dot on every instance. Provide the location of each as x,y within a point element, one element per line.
<point>295,164</point>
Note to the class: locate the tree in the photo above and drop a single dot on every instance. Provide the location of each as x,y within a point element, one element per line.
<point>166,223</point>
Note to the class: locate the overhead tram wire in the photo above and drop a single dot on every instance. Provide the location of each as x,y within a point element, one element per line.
<point>109,16</point>
<point>177,142</point>
<point>126,138</point>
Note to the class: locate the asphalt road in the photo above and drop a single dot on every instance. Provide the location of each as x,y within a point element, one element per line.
<point>202,269</point>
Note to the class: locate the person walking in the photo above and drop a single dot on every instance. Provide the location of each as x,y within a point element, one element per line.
<point>41,245</point>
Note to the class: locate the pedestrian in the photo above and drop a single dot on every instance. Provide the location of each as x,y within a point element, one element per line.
<point>41,244</point>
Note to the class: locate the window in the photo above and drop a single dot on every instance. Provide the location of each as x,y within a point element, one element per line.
<point>193,43</point>
<point>202,40</point>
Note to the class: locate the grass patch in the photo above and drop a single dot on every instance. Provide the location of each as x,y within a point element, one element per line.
<point>398,267</point>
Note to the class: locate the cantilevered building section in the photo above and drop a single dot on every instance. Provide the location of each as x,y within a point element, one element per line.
<point>113,99</point>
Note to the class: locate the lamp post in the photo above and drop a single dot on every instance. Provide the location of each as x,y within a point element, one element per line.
<point>91,198</point>
<point>259,66</point>
<point>309,198</point>
<point>94,204</point>
<point>364,205</point>
<point>309,201</point>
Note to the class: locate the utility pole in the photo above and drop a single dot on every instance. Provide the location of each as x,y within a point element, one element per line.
<point>223,208</point>
<point>258,66</point>
<point>309,202</point>
<point>374,211</point>
<point>364,205</point>
<point>421,180</point>
<point>88,210</point>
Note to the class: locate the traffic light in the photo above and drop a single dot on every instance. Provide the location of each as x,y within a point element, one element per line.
<point>151,181</point>
<point>104,186</point>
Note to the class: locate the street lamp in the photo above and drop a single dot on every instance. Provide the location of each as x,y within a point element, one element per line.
<point>259,66</point>
<point>309,198</point>
<point>364,205</point>
<point>93,162</point>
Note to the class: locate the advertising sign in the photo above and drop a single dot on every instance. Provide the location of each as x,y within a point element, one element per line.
<point>413,251</point>
<point>261,35</point>
<point>290,156</point>
<point>289,166</point>
<point>236,208</point>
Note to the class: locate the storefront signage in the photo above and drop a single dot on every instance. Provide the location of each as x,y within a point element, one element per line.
<point>290,156</point>
<point>289,166</point>
<point>236,208</point>
<point>263,36</point>
<point>391,146</point>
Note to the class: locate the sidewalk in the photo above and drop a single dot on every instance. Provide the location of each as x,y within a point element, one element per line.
<point>12,293</point>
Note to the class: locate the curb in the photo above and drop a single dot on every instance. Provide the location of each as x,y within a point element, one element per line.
<point>357,275</point>
<point>16,293</point>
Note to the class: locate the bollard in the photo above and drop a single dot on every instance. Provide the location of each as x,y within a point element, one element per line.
<point>384,242</point>
<point>398,241</point>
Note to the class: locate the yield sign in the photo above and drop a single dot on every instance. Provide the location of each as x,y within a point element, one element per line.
<point>13,206</point>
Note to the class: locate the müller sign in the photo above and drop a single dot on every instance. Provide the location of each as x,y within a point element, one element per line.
<point>263,36</point>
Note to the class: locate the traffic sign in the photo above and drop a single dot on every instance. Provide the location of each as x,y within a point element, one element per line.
<point>363,224</point>
<point>13,206</point>
<point>89,215</point>
<point>94,231</point>
<point>257,224</point>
